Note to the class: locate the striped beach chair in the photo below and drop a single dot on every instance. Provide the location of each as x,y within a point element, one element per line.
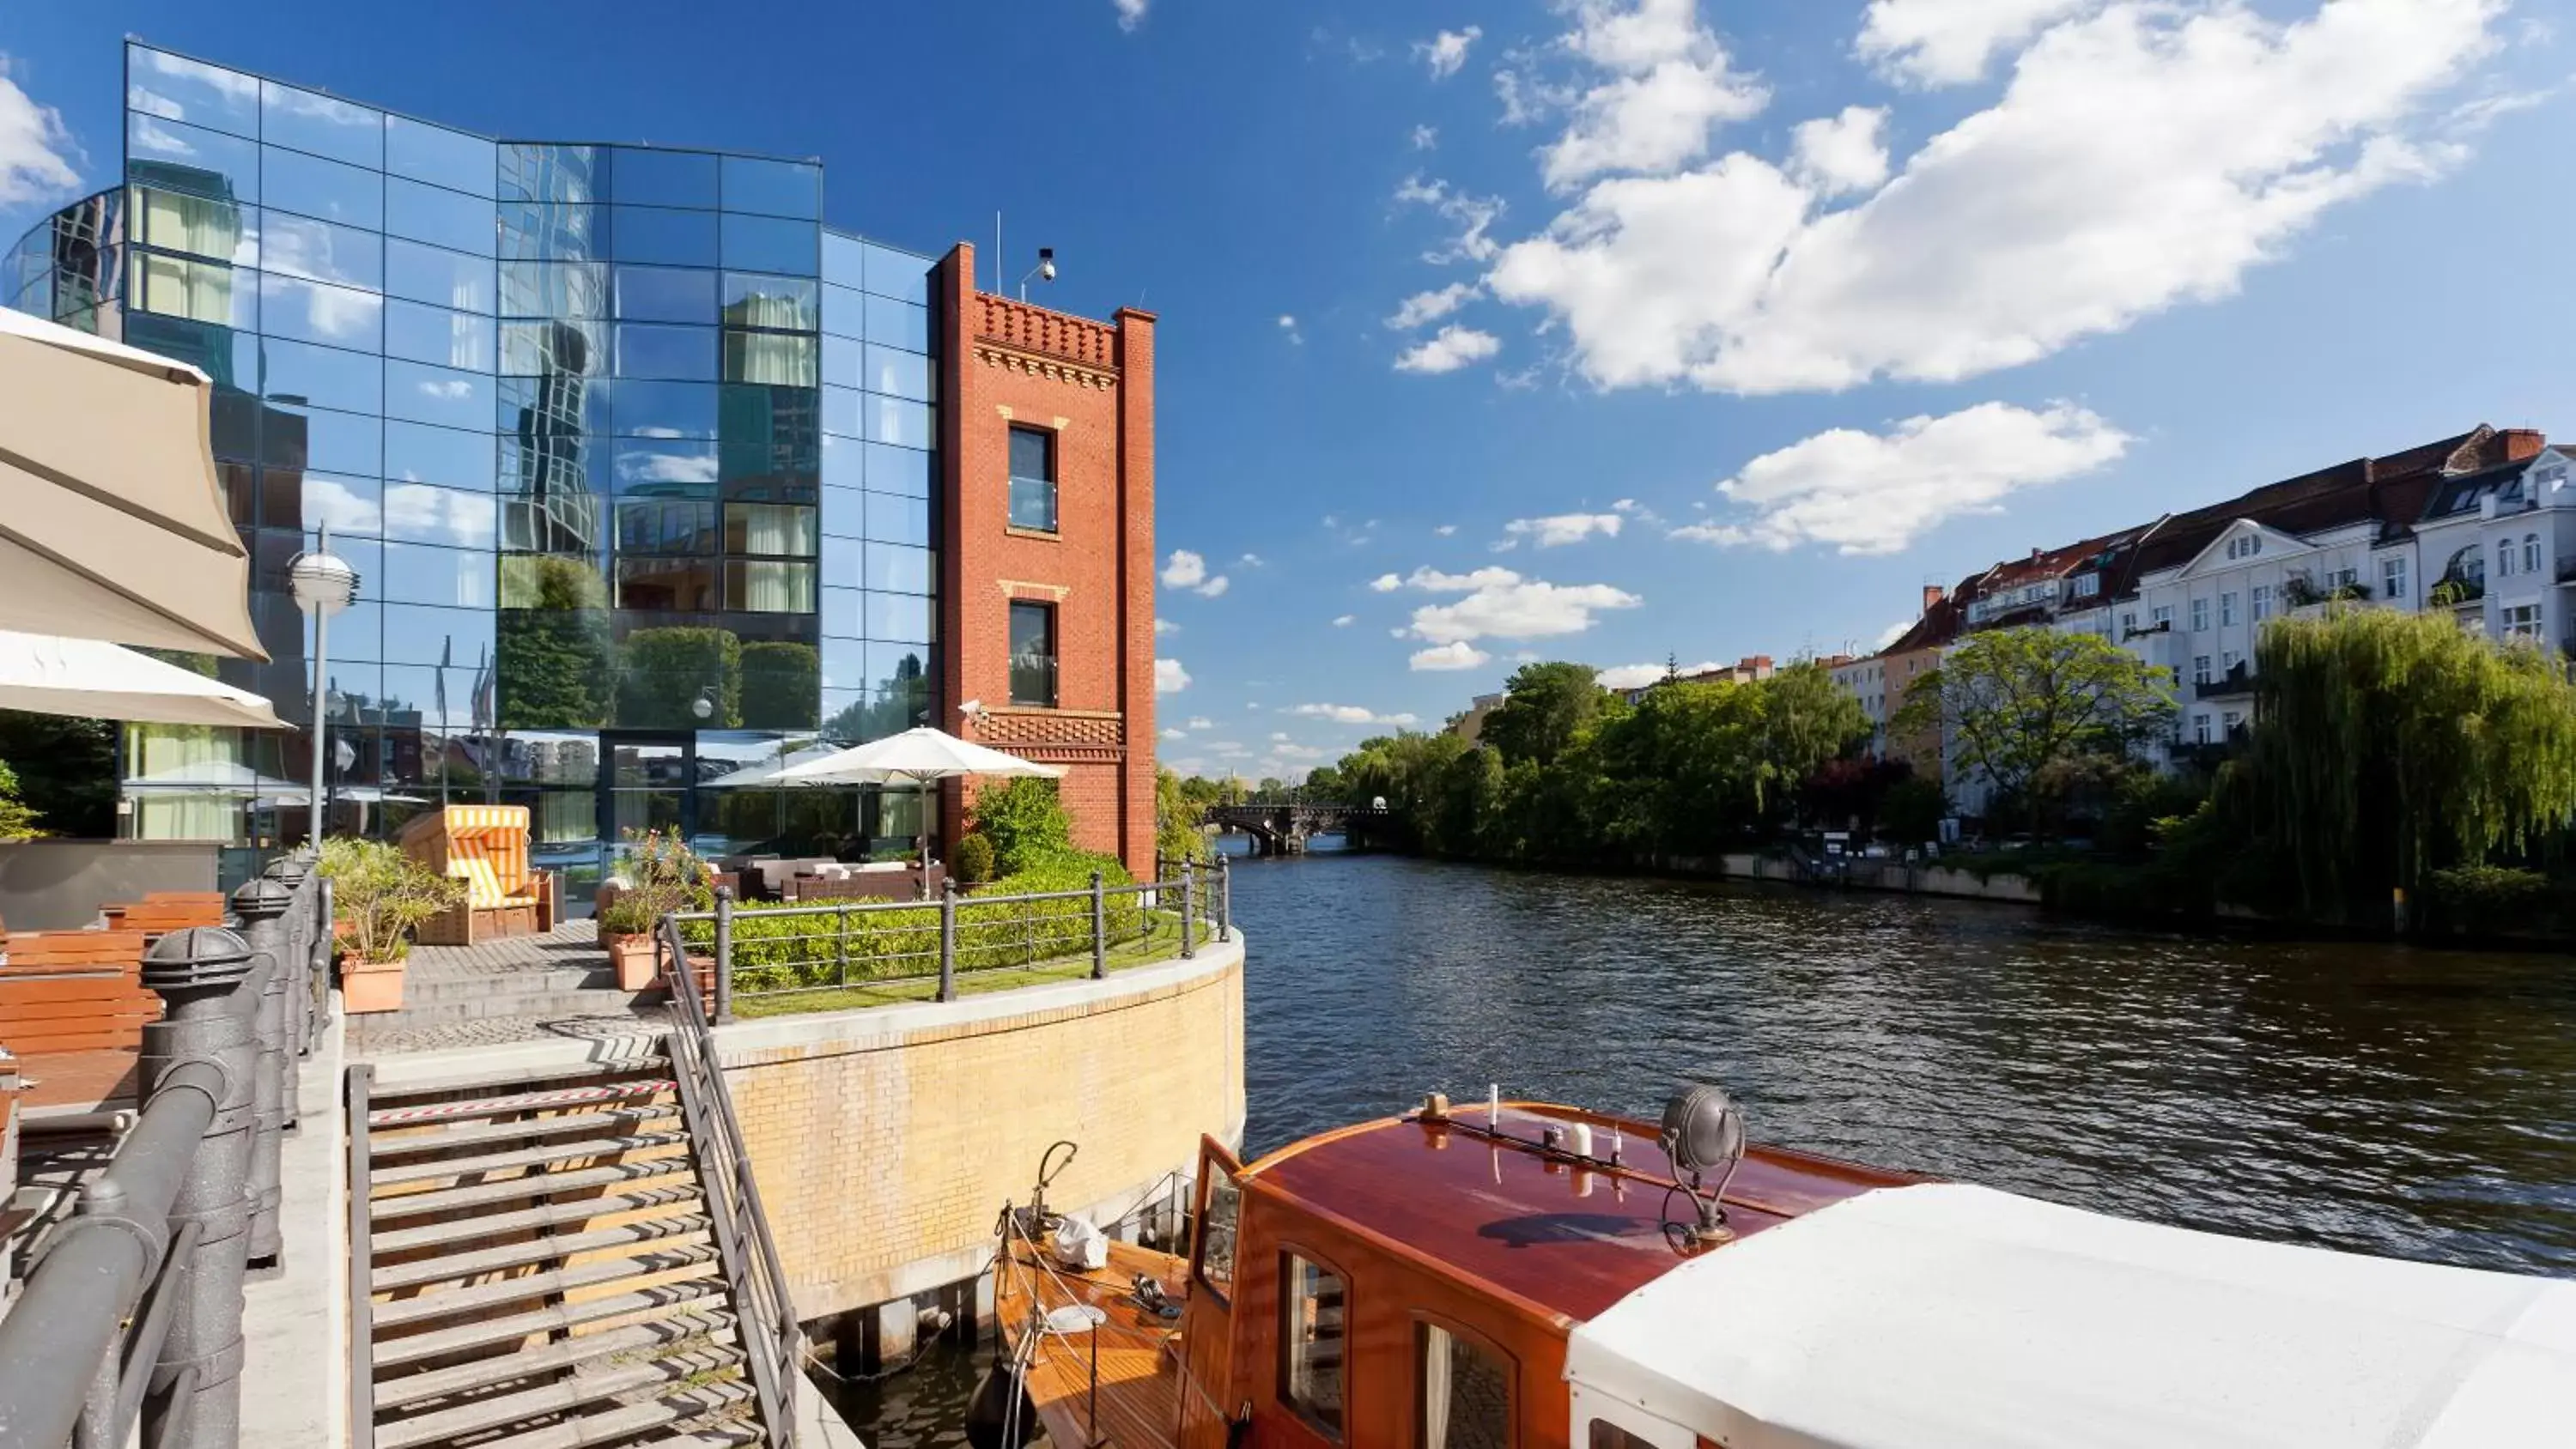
<point>485,846</point>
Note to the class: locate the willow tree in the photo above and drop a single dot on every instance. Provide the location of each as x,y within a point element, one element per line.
<point>2388,745</point>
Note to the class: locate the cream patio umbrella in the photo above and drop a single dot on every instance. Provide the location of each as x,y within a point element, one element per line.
<point>112,525</point>
<point>93,679</point>
<point>917,756</point>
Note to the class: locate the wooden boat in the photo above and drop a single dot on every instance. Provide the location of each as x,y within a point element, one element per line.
<point>1529,1276</point>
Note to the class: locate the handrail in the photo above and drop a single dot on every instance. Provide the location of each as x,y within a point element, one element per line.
<point>772,1339</point>
<point>172,1221</point>
<point>362,1266</point>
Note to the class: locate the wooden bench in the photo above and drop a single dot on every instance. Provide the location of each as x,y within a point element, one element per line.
<point>161,912</point>
<point>68,991</point>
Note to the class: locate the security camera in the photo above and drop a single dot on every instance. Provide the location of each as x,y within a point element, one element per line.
<point>971,708</point>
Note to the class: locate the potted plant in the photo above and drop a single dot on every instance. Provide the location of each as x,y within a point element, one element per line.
<point>665,876</point>
<point>379,894</point>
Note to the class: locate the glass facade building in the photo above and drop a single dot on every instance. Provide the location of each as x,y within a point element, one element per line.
<point>632,453</point>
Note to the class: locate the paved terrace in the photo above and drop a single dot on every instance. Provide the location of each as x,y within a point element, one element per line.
<point>516,989</point>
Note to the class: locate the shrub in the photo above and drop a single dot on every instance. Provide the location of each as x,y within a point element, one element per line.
<point>973,860</point>
<point>666,876</point>
<point>382,894</point>
<point>2490,897</point>
<point>1026,823</point>
<point>17,822</point>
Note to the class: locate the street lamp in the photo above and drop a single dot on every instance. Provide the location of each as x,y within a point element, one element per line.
<point>323,584</point>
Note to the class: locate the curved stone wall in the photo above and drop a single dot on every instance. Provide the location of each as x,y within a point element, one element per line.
<point>885,1141</point>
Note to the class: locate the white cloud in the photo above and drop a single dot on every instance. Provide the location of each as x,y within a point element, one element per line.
<point>1176,734</point>
<point>1227,747</point>
<point>1446,51</point>
<point>1451,348</point>
<point>1198,722</point>
<point>1431,306</point>
<point>1449,656</point>
<point>1475,216</point>
<point>1426,138</point>
<point>1170,677</point>
<point>1564,528</point>
<point>1165,626</point>
<point>1387,583</point>
<point>1251,561</point>
<point>1288,326</point>
<point>2146,153</point>
<point>1349,714</point>
<point>1187,570</point>
<point>1947,42</point>
<point>36,150</point>
<point>1344,621</point>
<point>1278,737</point>
<point>1131,13</point>
<point>1445,530</point>
<point>1500,603</point>
<point>1668,82</point>
<point>1638,676</point>
<point>1835,154</point>
<point>1872,493</point>
<point>1892,633</point>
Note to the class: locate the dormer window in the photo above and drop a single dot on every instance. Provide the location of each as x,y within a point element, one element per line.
<point>2244,545</point>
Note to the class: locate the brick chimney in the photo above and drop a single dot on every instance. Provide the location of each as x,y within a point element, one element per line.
<point>1933,594</point>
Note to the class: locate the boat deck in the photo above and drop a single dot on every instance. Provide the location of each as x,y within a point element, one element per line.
<point>1137,1403</point>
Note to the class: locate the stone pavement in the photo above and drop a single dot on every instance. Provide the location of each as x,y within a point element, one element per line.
<point>551,986</point>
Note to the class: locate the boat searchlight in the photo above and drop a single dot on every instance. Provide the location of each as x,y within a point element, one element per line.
<point>1703,1134</point>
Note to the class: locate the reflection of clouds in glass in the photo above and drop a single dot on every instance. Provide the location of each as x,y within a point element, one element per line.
<point>304,248</point>
<point>658,432</point>
<point>227,92</point>
<point>450,390</point>
<point>438,515</point>
<point>334,503</point>
<point>160,140</point>
<point>667,468</point>
<point>334,312</point>
<point>322,108</point>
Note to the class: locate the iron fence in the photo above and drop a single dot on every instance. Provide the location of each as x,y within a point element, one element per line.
<point>785,950</point>
<point>132,1315</point>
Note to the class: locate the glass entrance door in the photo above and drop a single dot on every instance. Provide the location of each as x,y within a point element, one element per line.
<point>649,782</point>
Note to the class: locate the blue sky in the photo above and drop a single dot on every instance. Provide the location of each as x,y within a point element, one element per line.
<point>1922,282</point>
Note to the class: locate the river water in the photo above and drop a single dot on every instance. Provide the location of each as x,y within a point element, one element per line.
<point>2416,1104</point>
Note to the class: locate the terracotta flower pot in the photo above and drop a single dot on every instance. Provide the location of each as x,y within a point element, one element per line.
<point>632,955</point>
<point>370,986</point>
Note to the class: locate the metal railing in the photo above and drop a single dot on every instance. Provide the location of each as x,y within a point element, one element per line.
<point>837,946</point>
<point>132,1314</point>
<point>772,1339</point>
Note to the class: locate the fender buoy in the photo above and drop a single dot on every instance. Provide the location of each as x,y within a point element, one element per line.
<point>990,1420</point>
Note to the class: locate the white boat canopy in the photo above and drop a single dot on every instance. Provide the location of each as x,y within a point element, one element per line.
<point>1955,1317</point>
<point>112,525</point>
<point>48,674</point>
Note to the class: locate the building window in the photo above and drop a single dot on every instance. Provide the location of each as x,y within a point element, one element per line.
<point>2234,721</point>
<point>2129,622</point>
<point>2228,660</point>
<point>2531,553</point>
<point>1217,1235</point>
<point>2200,669</point>
<point>1314,1308</point>
<point>769,586</point>
<point>2227,608</point>
<point>2522,621</point>
<point>2087,585</point>
<point>1033,479</point>
<point>2199,615</point>
<point>2504,558</point>
<point>2346,578</point>
<point>2392,577</point>
<point>2161,616</point>
<point>2200,728</point>
<point>1465,1391</point>
<point>1033,654</point>
<point>2262,602</point>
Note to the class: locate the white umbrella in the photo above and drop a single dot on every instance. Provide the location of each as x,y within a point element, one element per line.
<point>916,756</point>
<point>762,774</point>
<point>112,525</point>
<point>92,679</point>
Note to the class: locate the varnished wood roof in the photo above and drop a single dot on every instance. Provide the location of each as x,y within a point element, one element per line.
<point>1562,1238</point>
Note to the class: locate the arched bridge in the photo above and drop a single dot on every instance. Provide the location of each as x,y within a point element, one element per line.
<point>1285,829</point>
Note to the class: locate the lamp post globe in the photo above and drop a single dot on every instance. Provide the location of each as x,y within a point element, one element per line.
<point>323,585</point>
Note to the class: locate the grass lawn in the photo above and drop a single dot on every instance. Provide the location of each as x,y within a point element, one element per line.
<point>1162,942</point>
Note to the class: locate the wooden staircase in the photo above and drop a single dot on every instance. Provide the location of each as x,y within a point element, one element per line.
<point>545,1269</point>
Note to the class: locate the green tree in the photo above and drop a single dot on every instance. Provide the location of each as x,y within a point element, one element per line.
<point>1177,812</point>
<point>1025,820</point>
<point>556,657</point>
<point>781,681</point>
<point>17,822</point>
<point>1913,811</point>
<point>669,671</point>
<point>1545,707</point>
<point>2013,702</point>
<point>66,770</point>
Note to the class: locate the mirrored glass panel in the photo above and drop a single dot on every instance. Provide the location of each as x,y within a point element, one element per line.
<point>441,395</point>
<point>322,377</point>
<point>893,519</point>
<point>353,507</point>
<point>323,125</point>
<point>174,157</point>
<point>891,273</point>
<point>439,216</point>
<point>770,244</point>
<point>898,324</point>
<point>900,617</point>
<point>785,359</point>
<point>753,299</point>
<point>773,188</point>
<point>843,258</point>
<point>655,466</point>
<point>668,585</point>
<point>439,156</point>
<point>844,567</point>
<point>842,412</point>
<point>660,235</point>
<point>769,586</point>
<point>419,634</point>
<point>445,456</point>
<point>421,574</point>
<point>667,353</point>
<point>312,186</point>
<point>199,226</point>
<point>845,310</point>
<point>325,442</point>
<point>841,612</point>
<point>893,568</point>
<point>313,312</point>
<point>646,176</point>
<point>554,289</point>
<point>667,525</point>
<point>453,517</point>
<point>844,361</point>
<point>900,374</point>
<point>896,420</point>
<point>322,251</point>
<point>898,470</point>
<point>175,88</point>
<point>199,291</point>
<point>531,171</point>
<point>438,276</point>
<point>643,409</point>
<point>666,294</point>
<point>438,336</point>
<point>845,663</point>
<point>554,349</point>
<point>537,232</point>
<point>844,462</point>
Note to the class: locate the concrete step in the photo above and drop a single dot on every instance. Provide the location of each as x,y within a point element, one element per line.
<point>531,1220</point>
<point>381,1145</point>
<point>434,985</point>
<point>563,1396</point>
<point>535,1250</point>
<point>552,1091</point>
<point>722,1436</point>
<point>572,1150</point>
<point>544,1005</point>
<point>673,1411</point>
<point>404,1312</point>
<point>668,1298</point>
<point>522,1081</point>
<point>518,1189</point>
<point>713,1326</point>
